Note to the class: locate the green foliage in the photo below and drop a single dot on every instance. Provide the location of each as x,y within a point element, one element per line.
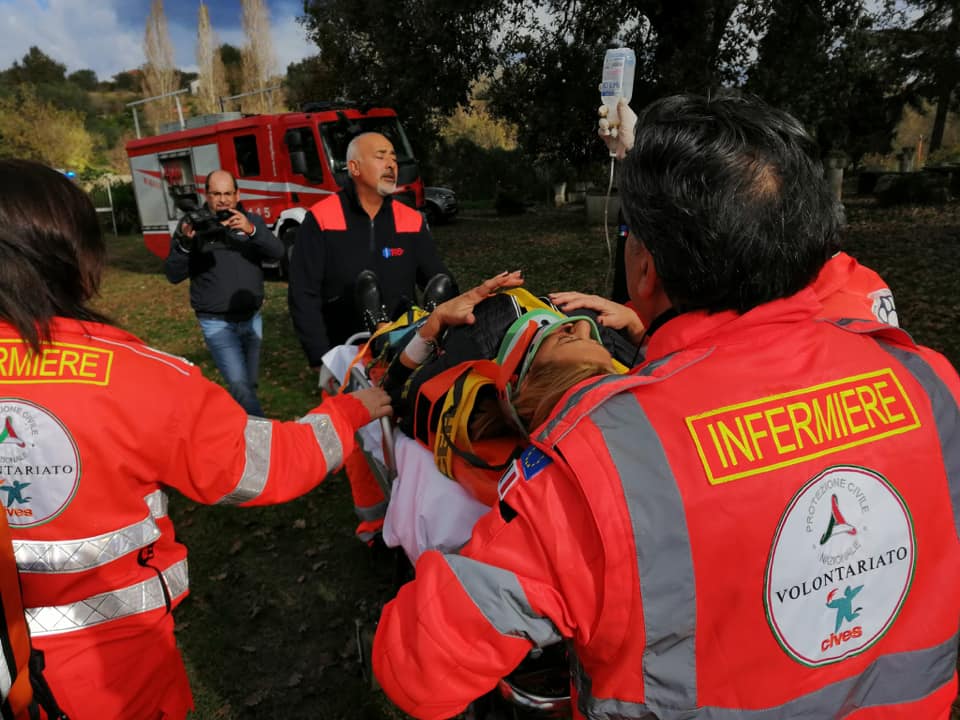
<point>550,94</point>
<point>38,130</point>
<point>231,55</point>
<point>475,172</point>
<point>66,96</point>
<point>480,127</point>
<point>124,202</point>
<point>84,79</point>
<point>419,56</point>
<point>35,68</point>
<point>233,67</point>
<point>929,49</point>
<point>127,80</point>
<point>308,81</point>
<point>553,53</point>
<point>826,63</point>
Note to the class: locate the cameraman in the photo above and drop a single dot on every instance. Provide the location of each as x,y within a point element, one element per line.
<point>222,256</point>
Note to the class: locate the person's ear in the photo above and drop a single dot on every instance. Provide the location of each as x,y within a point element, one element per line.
<point>643,283</point>
<point>647,281</point>
<point>353,167</point>
<point>643,279</point>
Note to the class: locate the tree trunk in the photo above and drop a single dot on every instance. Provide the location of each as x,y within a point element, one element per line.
<point>949,75</point>
<point>940,119</point>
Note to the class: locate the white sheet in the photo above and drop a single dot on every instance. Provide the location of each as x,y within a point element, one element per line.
<point>427,510</point>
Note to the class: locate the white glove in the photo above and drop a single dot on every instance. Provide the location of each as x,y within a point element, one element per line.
<point>617,129</point>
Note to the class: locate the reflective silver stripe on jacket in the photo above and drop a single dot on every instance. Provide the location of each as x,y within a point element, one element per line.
<point>66,556</point>
<point>499,596</point>
<point>945,414</point>
<point>327,438</point>
<point>132,600</point>
<point>257,437</point>
<point>894,678</point>
<point>664,556</point>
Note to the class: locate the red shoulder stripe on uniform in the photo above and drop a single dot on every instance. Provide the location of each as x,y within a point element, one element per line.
<point>406,219</point>
<point>329,213</point>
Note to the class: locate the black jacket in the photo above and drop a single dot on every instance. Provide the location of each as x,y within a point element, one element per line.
<point>226,279</point>
<point>335,242</point>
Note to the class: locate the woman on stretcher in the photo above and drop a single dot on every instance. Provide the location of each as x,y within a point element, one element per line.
<point>490,364</point>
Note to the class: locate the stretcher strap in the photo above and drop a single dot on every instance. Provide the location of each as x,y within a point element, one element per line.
<point>453,428</point>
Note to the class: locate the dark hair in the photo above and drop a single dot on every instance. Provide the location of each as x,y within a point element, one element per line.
<point>727,195</point>
<point>51,250</point>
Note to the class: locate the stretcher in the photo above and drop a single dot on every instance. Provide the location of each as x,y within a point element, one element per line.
<point>427,510</point>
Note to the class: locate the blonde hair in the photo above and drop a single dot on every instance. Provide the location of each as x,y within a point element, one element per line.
<point>534,401</point>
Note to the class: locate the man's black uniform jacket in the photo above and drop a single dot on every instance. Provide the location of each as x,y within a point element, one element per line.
<point>336,241</point>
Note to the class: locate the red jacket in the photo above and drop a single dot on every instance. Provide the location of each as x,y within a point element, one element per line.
<point>761,518</point>
<point>91,433</point>
<point>851,290</point>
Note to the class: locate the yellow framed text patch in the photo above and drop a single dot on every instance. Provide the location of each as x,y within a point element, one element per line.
<point>779,430</point>
<point>57,363</point>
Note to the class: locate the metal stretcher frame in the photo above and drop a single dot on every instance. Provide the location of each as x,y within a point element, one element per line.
<point>385,473</point>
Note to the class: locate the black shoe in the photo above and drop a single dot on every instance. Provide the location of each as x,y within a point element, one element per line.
<point>439,289</point>
<point>368,300</point>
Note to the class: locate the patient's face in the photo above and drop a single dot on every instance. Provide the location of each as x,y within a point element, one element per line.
<point>572,344</point>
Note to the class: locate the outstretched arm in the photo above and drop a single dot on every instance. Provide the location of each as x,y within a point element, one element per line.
<point>457,311</point>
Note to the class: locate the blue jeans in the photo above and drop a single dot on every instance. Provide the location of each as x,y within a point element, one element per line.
<point>235,347</point>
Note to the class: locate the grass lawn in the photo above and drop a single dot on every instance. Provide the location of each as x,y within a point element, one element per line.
<point>278,593</point>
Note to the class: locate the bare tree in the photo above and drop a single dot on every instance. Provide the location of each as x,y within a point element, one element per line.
<point>212,75</point>
<point>159,72</point>
<point>259,62</point>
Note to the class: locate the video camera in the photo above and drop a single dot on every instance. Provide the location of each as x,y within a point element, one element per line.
<point>206,225</point>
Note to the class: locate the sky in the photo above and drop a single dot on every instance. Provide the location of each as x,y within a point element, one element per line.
<point>106,36</point>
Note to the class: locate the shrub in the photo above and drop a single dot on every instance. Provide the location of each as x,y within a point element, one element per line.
<point>124,202</point>
<point>477,173</point>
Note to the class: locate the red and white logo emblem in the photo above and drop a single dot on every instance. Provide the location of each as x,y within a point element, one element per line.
<point>840,566</point>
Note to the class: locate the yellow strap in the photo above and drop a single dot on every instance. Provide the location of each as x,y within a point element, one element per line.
<point>454,422</point>
<point>528,301</point>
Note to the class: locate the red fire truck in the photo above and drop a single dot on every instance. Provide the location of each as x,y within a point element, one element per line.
<point>283,163</point>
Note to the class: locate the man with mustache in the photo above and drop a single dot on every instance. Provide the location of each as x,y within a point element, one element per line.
<point>359,230</point>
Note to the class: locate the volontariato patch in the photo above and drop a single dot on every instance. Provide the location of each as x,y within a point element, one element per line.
<point>840,566</point>
<point>39,464</point>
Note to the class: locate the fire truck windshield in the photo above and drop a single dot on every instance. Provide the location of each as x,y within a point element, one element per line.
<point>337,135</point>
